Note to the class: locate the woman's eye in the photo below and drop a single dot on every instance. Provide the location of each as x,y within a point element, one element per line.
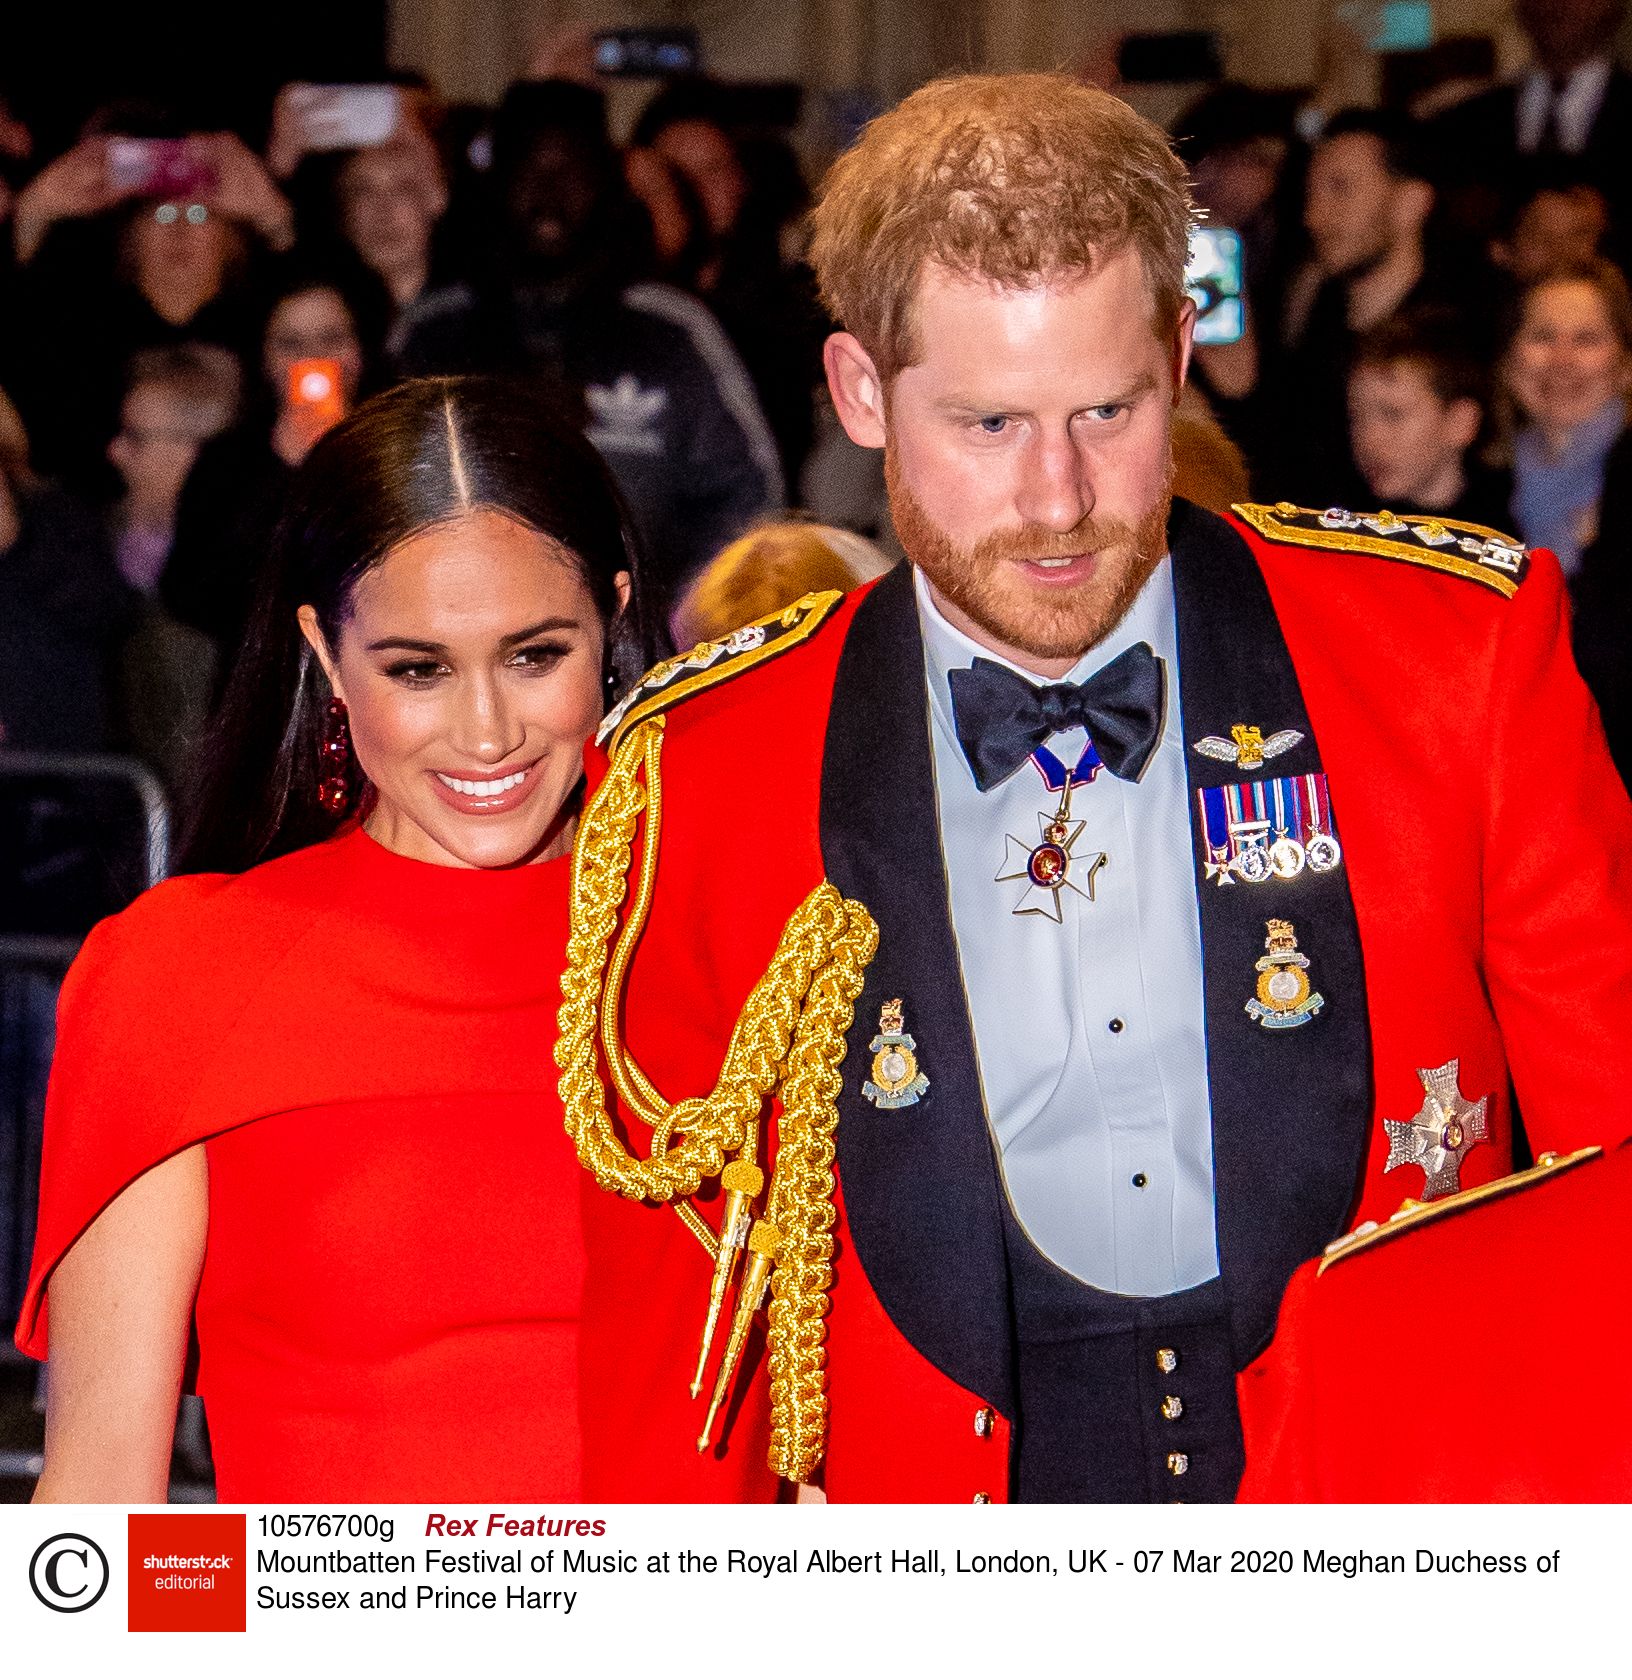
<point>416,673</point>
<point>540,656</point>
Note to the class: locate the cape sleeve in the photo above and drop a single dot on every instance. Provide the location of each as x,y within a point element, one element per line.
<point>138,1012</point>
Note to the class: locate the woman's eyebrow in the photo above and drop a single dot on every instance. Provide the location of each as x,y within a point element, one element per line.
<point>412,645</point>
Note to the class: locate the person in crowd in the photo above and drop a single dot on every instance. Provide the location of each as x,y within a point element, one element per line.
<point>759,574</point>
<point>64,609</point>
<point>1567,371</point>
<point>331,1051</point>
<point>1078,916</point>
<point>1571,103</point>
<point>1419,401</point>
<point>1561,225</point>
<point>683,244</point>
<point>180,269</point>
<point>661,393</point>
<point>1548,1248</point>
<point>750,191</point>
<point>176,400</point>
<point>318,322</point>
<point>1367,212</point>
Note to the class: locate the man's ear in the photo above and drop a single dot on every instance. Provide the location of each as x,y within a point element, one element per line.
<point>1184,341</point>
<point>858,392</point>
<point>306,617</point>
<point>1464,417</point>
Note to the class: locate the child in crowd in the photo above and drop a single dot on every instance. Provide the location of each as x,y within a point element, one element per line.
<point>1418,401</point>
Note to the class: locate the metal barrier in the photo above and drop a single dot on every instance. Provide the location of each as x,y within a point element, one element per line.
<point>80,836</point>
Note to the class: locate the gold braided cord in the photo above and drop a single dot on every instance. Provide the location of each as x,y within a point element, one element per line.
<point>788,1041</point>
<point>801,1206</point>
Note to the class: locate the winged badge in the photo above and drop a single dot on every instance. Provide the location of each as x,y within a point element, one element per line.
<point>1247,748</point>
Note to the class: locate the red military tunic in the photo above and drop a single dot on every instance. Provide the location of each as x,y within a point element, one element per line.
<point>1485,1355</point>
<point>1487,852</point>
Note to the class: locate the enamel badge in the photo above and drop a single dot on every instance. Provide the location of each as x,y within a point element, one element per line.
<point>1284,996</point>
<point>896,1081</point>
<point>1048,867</point>
<point>1441,1133</point>
<point>1247,747</point>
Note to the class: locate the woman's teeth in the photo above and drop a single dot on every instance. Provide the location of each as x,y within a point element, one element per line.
<point>483,790</point>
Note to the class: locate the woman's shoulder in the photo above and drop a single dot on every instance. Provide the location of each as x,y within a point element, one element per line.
<point>203,936</point>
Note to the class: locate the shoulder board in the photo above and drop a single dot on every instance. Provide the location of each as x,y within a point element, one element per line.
<point>672,681</point>
<point>1413,1214</point>
<point>1475,552</point>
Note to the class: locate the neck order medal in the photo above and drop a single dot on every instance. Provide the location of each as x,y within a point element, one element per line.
<point>1049,868</point>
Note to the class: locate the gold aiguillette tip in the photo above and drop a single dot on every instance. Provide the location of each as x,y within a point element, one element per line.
<point>763,1241</point>
<point>742,1181</point>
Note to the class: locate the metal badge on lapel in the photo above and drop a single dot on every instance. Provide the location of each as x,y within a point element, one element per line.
<point>1047,868</point>
<point>1284,998</point>
<point>1247,746</point>
<point>896,1081</point>
<point>1442,1132</point>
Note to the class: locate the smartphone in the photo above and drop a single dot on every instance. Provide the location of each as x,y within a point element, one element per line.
<point>315,396</point>
<point>647,52</point>
<point>1212,277</point>
<point>337,118</point>
<point>1175,55</point>
<point>158,169</point>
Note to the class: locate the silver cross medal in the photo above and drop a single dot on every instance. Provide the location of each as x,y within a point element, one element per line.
<point>1443,1130</point>
<point>1048,867</point>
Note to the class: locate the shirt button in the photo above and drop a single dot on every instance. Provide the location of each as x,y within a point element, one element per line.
<point>1140,1181</point>
<point>1167,1361</point>
<point>982,1499</point>
<point>1117,1023</point>
<point>1178,1464</point>
<point>985,1422</point>
<point>1172,1408</point>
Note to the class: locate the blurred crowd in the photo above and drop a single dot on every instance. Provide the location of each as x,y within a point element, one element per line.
<point>1435,322</point>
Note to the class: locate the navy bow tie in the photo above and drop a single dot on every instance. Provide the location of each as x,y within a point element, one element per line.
<point>1001,719</point>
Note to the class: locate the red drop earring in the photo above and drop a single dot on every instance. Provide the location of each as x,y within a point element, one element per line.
<point>334,760</point>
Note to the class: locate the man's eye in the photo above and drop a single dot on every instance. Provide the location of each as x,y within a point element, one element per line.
<point>1108,411</point>
<point>993,425</point>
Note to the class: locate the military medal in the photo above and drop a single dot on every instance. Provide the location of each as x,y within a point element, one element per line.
<point>896,1081</point>
<point>1247,747</point>
<point>1047,867</point>
<point>1440,1134</point>
<point>1267,831</point>
<point>1284,997</point>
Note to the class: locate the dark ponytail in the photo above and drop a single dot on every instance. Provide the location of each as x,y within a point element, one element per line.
<point>420,453</point>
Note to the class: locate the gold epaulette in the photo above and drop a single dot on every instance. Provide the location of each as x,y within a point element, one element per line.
<point>1412,1214</point>
<point>1475,552</point>
<point>671,681</point>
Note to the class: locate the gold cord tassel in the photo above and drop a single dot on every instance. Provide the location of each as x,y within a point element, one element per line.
<point>788,1042</point>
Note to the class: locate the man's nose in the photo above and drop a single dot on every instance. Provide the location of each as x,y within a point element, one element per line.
<point>1054,489</point>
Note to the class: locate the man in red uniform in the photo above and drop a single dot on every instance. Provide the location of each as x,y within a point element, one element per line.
<point>1447,1363</point>
<point>1224,873</point>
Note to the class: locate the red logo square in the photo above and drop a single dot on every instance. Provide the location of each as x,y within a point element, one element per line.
<point>188,1573</point>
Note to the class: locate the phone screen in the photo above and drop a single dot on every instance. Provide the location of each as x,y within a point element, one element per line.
<point>1212,277</point>
<point>647,52</point>
<point>315,395</point>
<point>335,119</point>
<point>158,169</point>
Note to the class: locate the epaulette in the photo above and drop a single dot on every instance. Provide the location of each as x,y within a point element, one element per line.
<point>672,681</point>
<point>1412,1214</point>
<point>1475,552</point>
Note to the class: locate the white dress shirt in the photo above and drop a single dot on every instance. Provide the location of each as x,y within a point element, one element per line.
<point>1090,1032</point>
<point>1576,106</point>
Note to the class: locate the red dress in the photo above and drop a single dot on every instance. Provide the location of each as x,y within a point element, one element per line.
<point>389,1302</point>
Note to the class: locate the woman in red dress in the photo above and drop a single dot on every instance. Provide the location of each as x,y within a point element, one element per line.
<point>305,1101</point>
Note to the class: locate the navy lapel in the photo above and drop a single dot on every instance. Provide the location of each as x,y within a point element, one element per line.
<point>1291,1107</point>
<point>920,1183</point>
